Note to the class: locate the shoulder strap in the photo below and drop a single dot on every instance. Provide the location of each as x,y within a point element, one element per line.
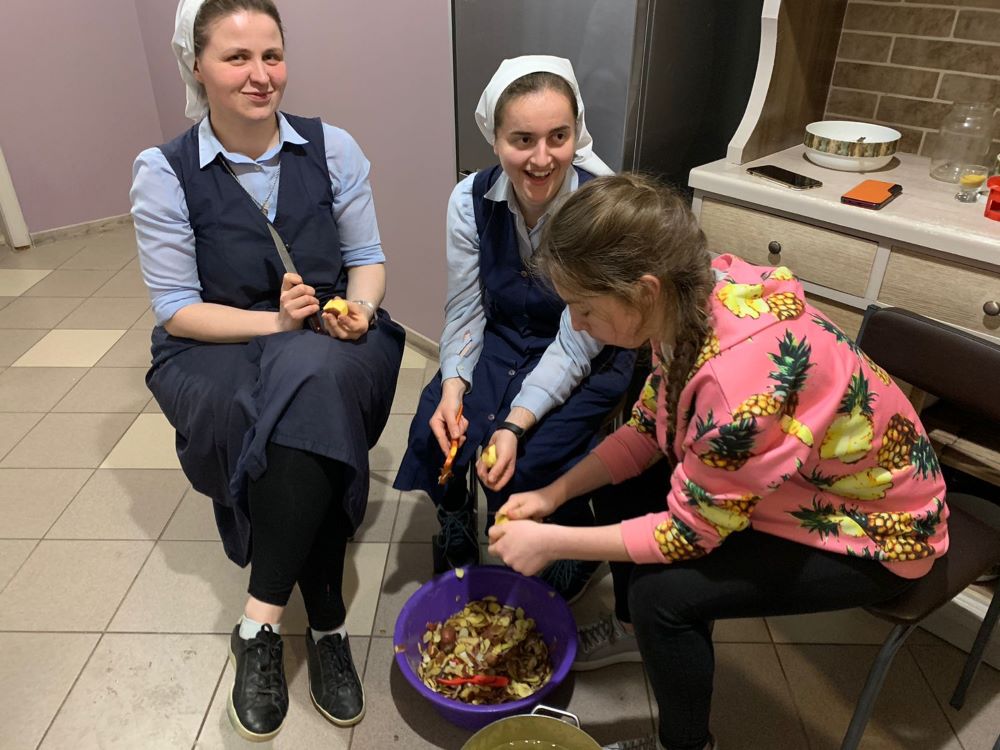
<point>481,183</point>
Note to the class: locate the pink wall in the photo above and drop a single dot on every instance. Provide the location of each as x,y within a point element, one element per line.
<point>381,69</point>
<point>77,107</point>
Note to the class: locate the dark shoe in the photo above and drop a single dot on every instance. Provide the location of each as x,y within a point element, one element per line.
<point>258,701</point>
<point>457,545</point>
<point>333,681</point>
<point>571,577</point>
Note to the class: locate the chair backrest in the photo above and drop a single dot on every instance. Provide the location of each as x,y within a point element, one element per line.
<point>937,358</point>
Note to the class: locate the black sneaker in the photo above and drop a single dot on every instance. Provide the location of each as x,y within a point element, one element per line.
<point>258,701</point>
<point>456,546</point>
<point>333,681</point>
<point>571,577</point>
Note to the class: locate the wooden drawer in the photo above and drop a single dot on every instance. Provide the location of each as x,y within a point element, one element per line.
<point>824,257</point>
<point>942,289</point>
<point>848,319</point>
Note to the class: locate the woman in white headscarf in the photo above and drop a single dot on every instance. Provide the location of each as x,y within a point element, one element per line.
<point>515,377</point>
<point>275,404</point>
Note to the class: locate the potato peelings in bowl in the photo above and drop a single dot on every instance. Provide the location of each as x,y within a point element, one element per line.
<point>485,639</point>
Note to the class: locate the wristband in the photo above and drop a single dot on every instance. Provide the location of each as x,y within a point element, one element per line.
<point>365,303</point>
<point>519,432</point>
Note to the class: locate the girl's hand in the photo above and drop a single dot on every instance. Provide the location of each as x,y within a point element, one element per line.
<point>522,545</point>
<point>444,422</point>
<point>296,303</point>
<point>506,447</point>
<point>535,505</point>
<point>350,325</point>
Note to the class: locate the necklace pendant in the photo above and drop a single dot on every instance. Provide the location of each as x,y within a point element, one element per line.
<point>263,208</point>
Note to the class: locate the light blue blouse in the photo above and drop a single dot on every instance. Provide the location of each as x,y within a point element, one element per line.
<point>566,361</point>
<point>163,230</point>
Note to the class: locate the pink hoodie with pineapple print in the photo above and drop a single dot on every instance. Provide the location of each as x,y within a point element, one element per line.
<point>787,427</point>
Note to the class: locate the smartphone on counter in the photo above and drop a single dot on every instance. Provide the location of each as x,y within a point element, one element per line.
<point>872,194</point>
<point>785,177</point>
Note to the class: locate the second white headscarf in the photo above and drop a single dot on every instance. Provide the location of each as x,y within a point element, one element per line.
<point>183,47</point>
<point>508,72</point>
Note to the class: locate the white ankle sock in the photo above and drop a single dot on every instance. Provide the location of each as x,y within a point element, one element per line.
<point>249,628</point>
<point>317,634</point>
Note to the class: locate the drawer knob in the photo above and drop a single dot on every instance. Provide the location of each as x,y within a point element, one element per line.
<point>774,247</point>
<point>992,308</point>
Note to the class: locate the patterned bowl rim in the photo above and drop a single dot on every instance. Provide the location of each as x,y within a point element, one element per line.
<point>838,147</point>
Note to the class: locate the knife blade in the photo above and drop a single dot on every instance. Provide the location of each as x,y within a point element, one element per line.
<point>315,321</point>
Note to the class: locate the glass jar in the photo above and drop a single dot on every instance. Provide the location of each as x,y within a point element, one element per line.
<point>964,138</point>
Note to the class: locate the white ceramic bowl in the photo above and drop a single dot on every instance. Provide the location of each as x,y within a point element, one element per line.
<point>850,146</point>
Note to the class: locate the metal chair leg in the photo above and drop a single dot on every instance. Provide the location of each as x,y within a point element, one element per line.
<point>876,676</point>
<point>976,653</point>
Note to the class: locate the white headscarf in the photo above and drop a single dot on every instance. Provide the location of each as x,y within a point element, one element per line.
<point>183,47</point>
<point>508,72</point>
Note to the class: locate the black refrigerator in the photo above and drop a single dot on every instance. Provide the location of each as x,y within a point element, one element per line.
<point>665,82</point>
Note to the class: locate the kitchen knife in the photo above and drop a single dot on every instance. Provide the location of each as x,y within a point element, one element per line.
<point>315,321</point>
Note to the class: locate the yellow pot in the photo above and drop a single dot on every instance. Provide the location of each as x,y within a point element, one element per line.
<point>534,731</point>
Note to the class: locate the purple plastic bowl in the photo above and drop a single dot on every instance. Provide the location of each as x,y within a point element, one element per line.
<point>443,596</point>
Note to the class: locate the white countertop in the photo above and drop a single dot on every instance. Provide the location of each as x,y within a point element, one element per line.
<point>926,214</point>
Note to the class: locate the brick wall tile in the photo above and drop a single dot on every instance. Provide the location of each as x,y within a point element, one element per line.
<point>885,79</point>
<point>864,47</point>
<point>955,56</point>
<point>915,112</point>
<point>859,104</point>
<point>979,25</point>
<point>903,19</point>
<point>959,88</point>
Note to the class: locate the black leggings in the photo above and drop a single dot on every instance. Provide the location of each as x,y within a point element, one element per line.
<point>750,574</point>
<point>300,532</point>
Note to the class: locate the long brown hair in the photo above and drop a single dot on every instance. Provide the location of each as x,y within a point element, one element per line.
<point>213,10</point>
<point>616,229</point>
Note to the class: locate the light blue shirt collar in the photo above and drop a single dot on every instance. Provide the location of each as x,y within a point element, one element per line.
<point>503,191</point>
<point>209,146</point>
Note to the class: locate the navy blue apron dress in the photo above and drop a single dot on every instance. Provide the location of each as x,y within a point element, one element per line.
<point>522,319</point>
<point>298,389</point>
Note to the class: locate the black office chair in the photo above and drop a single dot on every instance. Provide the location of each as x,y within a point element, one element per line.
<point>961,370</point>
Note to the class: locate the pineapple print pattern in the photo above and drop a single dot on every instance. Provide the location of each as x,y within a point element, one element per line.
<point>643,420</point>
<point>727,516</point>
<point>709,350</point>
<point>843,338</point>
<point>870,484</point>
<point>903,446</point>
<point>748,301</point>
<point>732,447</point>
<point>849,437</point>
<point>677,541</point>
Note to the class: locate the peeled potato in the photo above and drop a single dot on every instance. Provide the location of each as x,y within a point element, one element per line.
<point>490,456</point>
<point>501,518</point>
<point>337,306</point>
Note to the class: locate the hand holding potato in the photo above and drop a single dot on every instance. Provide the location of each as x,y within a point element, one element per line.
<point>346,320</point>
<point>502,449</point>
<point>522,545</point>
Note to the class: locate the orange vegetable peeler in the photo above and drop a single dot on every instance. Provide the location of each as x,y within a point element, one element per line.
<point>446,473</point>
<point>487,680</point>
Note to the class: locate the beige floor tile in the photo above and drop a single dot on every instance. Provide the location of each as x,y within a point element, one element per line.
<point>108,389</point>
<point>15,282</point>
<point>150,691</point>
<point>69,349</point>
<point>826,681</point>
<point>409,566</point>
<point>851,626</point>
<point>146,322</point>
<point>131,350</point>
<point>103,253</point>
<point>69,284</point>
<point>387,455</point>
<point>68,441</point>
<point>40,669</point>
<point>978,723</point>
<point>16,341</point>
<point>70,585</point>
<point>304,727</point>
<point>13,427</point>
<point>126,283</point>
<point>4,301</point>
<point>383,502</point>
<point>122,504</point>
<point>408,387</point>
<point>37,388</point>
<point>106,312</point>
<point>152,407</point>
<point>747,630</point>
<point>37,312</point>
<point>45,256</point>
<point>194,520</point>
<point>404,718</point>
<point>413,358</point>
<point>50,491</point>
<point>184,587</point>
<point>416,519</point>
<point>148,444</point>
<point>13,553</point>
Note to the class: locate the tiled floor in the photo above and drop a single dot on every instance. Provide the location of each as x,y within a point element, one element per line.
<point>116,598</point>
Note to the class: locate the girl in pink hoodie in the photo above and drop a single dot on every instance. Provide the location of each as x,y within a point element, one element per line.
<point>769,466</point>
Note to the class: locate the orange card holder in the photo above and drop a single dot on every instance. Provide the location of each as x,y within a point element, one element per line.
<point>871,194</point>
